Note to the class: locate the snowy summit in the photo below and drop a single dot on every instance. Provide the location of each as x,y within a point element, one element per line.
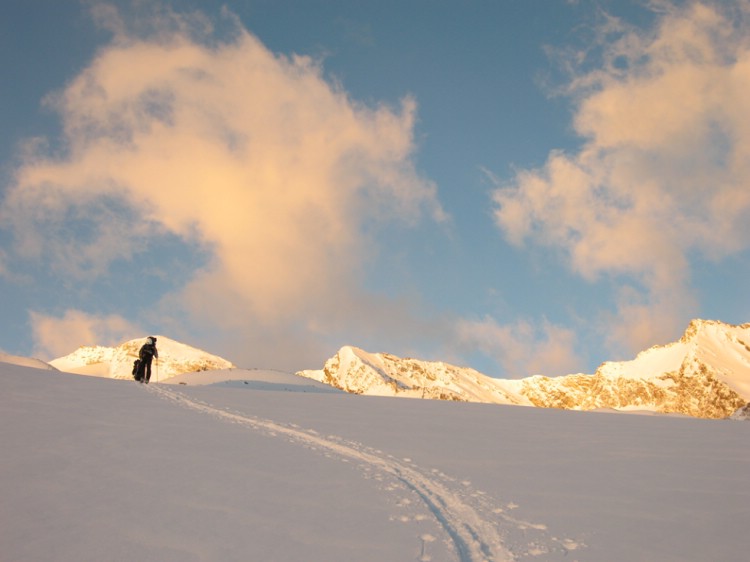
<point>704,374</point>
<point>175,358</point>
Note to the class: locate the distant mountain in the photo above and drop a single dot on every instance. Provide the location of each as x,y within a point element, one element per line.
<point>175,358</point>
<point>704,374</point>
<point>382,374</point>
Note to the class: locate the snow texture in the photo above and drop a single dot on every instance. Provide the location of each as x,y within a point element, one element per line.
<point>211,468</point>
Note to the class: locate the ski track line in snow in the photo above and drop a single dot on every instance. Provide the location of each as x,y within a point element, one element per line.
<point>475,537</point>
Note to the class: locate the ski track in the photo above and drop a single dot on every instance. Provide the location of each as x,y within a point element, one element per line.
<point>470,518</point>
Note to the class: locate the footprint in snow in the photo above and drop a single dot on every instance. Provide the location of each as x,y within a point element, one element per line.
<point>478,530</point>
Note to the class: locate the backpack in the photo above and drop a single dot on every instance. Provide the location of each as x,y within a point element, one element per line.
<point>136,369</point>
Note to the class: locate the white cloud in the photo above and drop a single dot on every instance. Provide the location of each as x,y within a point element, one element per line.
<point>664,169</point>
<point>58,336</point>
<point>250,155</point>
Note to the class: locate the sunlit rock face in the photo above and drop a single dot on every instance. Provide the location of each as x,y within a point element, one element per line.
<point>704,374</point>
<point>698,394</point>
<point>743,414</point>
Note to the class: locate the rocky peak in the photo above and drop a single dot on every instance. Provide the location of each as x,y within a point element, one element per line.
<point>704,374</point>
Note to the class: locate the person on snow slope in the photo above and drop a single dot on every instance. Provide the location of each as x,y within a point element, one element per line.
<point>146,354</point>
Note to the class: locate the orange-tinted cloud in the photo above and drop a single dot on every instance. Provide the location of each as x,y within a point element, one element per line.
<point>58,336</point>
<point>521,348</point>
<point>663,171</point>
<point>253,157</point>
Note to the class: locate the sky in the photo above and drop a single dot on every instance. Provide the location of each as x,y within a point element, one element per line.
<point>520,187</point>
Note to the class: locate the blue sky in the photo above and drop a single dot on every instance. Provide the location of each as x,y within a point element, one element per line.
<point>521,187</point>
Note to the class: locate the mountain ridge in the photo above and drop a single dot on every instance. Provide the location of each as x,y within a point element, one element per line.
<point>706,373</point>
<point>25,361</point>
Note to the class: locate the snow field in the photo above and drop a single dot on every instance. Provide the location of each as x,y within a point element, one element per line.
<point>99,469</point>
<point>470,527</point>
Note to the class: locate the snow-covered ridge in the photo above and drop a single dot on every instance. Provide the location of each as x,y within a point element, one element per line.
<point>704,374</point>
<point>175,358</point>
<point>24,361</point>
<point>382,374</point>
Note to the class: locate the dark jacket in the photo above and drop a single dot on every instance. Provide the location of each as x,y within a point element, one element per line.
<point>148,351</point>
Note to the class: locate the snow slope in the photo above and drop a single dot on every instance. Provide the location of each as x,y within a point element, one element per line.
<point>705,374</point>
<point>117,362</point>
<point>24,361</point>
<point>99,469</point>
<point>252,379</point>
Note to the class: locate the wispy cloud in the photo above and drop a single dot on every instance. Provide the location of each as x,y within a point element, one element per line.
<point>522,348</point>
<point>663,171</point>
<point>249,155</point>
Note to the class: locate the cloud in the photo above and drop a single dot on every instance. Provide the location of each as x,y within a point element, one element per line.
<point>252,157</point>
<point>58,336</point>
<point>522,349</point>
<point>663,171</point>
